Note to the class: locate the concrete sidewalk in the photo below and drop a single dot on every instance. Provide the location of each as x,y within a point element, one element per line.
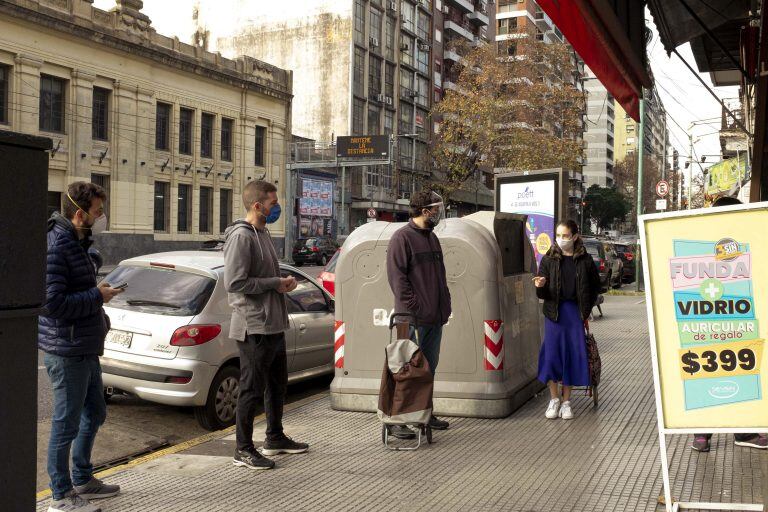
<point>604,460</point>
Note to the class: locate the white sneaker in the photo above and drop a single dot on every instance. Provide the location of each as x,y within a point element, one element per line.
<point>565,411</point>
<point>552,409</point>
<point>72,503</point>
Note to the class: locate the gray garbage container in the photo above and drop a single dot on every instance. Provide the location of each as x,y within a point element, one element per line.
<point>24,174</point>
<point>489,355</point>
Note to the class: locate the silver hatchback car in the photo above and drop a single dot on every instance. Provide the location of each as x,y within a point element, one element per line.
<point>169,339</point>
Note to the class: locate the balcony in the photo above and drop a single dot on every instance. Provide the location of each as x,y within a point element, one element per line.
<point>452,55</point>
<point>479,18</point>
<point>464,5</point>
<point>542,21</point>
<point>459,29</point>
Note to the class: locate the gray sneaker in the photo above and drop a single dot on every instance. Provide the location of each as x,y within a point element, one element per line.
<point>71,502</point>
<point>96,489</point>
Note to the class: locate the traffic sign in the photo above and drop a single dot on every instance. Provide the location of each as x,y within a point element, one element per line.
<point>661,204</point>
<point>371,213</point>
<point>662,188</point>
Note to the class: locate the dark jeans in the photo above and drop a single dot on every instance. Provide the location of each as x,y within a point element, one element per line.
<point>78,412</point>
<point>429,343</point>
<point>263,376</point>
<point>737,437</point>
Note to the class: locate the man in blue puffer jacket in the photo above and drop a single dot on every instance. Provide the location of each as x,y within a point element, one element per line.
<point>71,332</point>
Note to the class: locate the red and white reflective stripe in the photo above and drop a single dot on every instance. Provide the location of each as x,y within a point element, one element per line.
<point>338,345</point>
<point>494,344</point>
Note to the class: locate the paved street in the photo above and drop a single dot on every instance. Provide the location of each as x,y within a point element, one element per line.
<point>604,460</point>
<point>134,425</point>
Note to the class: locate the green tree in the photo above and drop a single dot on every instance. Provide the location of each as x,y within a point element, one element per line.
<point>605,206</point>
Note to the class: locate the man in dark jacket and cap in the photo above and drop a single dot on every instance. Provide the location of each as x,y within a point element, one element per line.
<point>416,274</point>
<point>71,332</point>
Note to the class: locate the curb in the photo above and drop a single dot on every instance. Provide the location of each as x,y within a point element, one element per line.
<point>190,443</point>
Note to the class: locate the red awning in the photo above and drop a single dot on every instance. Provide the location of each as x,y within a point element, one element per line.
<point>594,31</point>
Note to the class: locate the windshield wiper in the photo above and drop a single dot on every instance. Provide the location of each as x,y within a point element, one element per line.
<point>143,302</point>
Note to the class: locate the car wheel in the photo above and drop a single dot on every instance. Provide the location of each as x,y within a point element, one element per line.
<point>219,409</point>
<point>619,282</point>
<point>324,261</point>
<point>298,263</point>
<point>607,284</point>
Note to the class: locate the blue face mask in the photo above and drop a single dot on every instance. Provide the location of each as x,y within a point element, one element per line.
<point>274,214</point>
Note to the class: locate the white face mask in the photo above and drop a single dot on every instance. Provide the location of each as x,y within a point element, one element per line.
<point>99,225</point>
<point>565,245</point>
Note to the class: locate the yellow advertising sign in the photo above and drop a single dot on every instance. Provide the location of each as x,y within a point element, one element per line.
<point>706,277</point>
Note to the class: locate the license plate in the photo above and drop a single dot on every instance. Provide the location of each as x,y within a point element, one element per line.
<point>120,338</point>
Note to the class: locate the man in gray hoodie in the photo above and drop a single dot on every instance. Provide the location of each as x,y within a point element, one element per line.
<point>259,319</point>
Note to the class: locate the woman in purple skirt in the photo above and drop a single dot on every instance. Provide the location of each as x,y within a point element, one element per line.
<point>569,285</point>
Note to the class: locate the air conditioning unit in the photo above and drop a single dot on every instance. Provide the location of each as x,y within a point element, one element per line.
<point>374,42</point>
<point>381,98</point>
<point>393,6</point>
<point>446,9</point>
<point>404,47</point>
<point>424,47</point>
<point>388,100</point>
<point>411,93</point>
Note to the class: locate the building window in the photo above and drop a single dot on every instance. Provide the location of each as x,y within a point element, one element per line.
<point>372,176</point>
<point>162,206</point>
<point>102,180</point>
<point>51,104</point>
<point>206,210</point>
<point>163,127</point>
<point>359,22</point>
<point>407,50</point>
<point>373,120</point>
<point>374,30</point>
<point>406,84</point>
<point>206,135</point>
<point>389,38</point>
<point>374,76</point>
<point>422,60</point>
<point>386,177</point>
<point>389,80</point>
<point>185,208</point>
<point>4,80</point>
<point>359,78</point>
<point>389,122</point>
<point>421,121</point>
<point>53,202</point>
<point>506,26</point>
<point>423,90</point>
<point>100,113</point>
<point>225,209</point>
<point>423,26</point>
<point>358,113</point>
<point>226,139</point>
<point>185,131</point>
<point>259,145</point>
<point>405,150</point>
<point>422,157</point>
<point>406,15</point>
<point>406,118</point>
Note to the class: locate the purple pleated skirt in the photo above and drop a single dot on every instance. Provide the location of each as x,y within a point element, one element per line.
<point>563,355</point>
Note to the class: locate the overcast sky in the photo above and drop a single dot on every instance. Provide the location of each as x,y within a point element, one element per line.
<point>684,98</point>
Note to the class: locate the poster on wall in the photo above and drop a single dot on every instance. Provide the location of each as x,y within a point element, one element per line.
<point>534,195</point>
<point>316,198</point>
<point>706,311</point>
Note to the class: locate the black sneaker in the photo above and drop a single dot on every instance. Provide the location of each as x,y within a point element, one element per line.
<point>437,424</point>
<point>252,459</point>
<point>402,432</point>
<point>283,444</point>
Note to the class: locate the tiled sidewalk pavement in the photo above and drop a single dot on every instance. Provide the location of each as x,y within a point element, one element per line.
<point>604,460</point>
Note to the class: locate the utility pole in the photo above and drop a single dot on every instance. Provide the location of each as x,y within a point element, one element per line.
<point>342,225</point>
<point>690,169</point>
<point>640,147</point>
